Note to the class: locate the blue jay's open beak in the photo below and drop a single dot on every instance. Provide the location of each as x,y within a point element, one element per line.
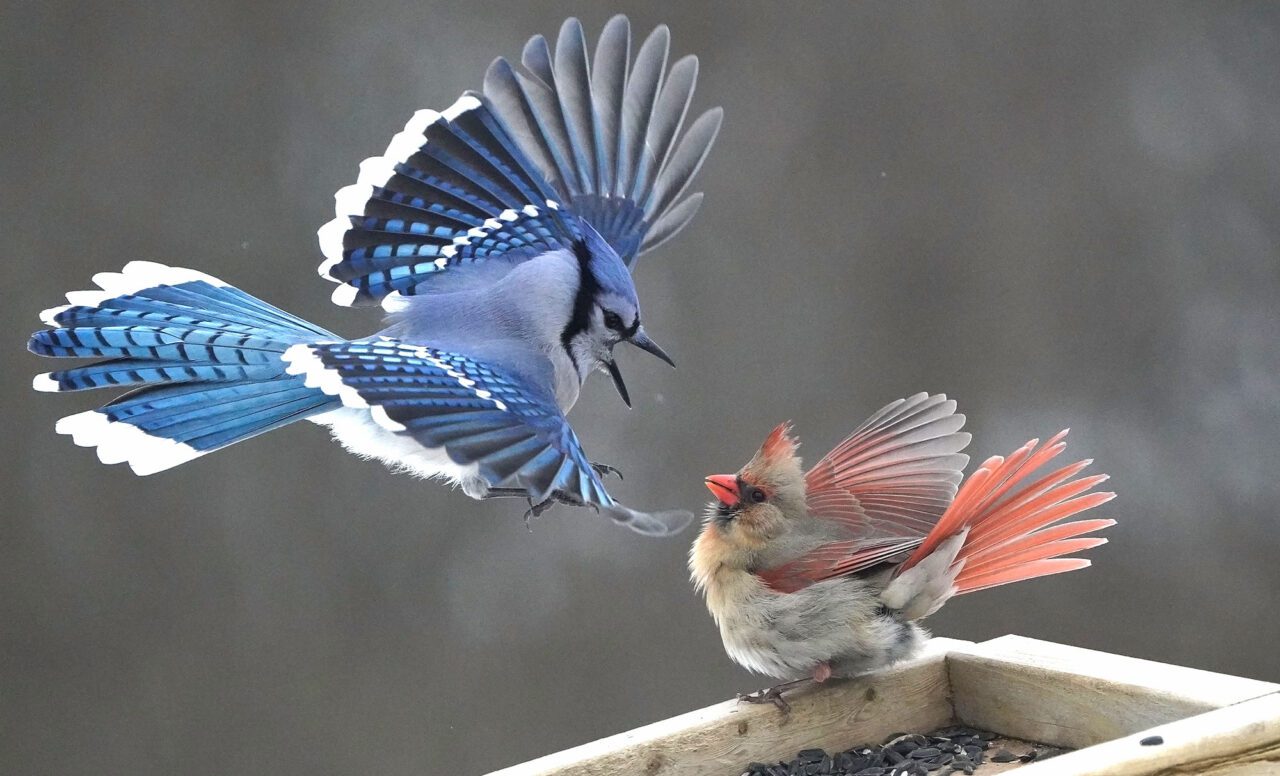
<point>616,374</point>
<point>641,340</point>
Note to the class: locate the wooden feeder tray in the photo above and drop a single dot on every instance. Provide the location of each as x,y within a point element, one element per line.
<point>1102,706</point>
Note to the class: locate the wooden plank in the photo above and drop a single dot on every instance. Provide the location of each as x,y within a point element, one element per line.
<point>1238,740</point>
<point>1073,697</point>
<point>722,739</point>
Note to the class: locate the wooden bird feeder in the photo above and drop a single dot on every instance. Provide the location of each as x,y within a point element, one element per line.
<point>1101,706</point>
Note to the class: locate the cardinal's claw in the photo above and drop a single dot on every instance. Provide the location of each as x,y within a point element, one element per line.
<point>771,695</point>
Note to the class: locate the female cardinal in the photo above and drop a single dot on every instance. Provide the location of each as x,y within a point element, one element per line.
<point>826,573</point>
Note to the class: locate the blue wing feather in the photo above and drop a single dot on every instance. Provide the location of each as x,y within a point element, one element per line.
<point>477,412</point>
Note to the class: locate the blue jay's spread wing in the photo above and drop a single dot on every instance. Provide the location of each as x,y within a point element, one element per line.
<point>506,175</point>
<point>480,414</point>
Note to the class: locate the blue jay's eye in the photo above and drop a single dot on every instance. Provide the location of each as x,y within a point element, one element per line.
<point>613,320</point>
<point>757,495</point>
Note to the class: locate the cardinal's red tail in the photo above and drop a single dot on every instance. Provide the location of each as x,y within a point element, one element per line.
<point>1012,534</point>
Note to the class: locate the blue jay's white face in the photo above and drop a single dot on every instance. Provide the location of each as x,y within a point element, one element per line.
<point>610,319</point>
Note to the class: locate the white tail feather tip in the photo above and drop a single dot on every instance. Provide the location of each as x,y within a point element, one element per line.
<point>47,317</point>
<point>121,442</point>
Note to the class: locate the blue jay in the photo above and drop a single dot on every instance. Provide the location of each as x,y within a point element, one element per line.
<point>499,235</point>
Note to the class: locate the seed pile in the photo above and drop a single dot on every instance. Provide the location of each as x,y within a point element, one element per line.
<point>954,750</point>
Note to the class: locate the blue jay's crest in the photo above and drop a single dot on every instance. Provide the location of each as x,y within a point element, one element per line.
<point>505,175</point>
<point>604,264</point>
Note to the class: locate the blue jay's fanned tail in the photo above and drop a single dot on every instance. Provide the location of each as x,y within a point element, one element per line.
<point>202,359</point>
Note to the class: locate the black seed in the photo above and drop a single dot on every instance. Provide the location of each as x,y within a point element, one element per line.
<point>1003,756</point>
<point>871,772</point>
<point>1152,741</point>
<point>925,753</point>
<point>810,755</point>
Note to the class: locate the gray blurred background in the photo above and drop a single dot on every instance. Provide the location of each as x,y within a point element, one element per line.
<point>1058,213</point>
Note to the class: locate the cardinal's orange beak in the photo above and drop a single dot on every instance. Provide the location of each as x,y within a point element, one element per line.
<point>725,488</point>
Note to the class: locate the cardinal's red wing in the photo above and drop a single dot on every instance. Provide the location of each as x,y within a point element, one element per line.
<point>886,485</point>
<point>896,474</point>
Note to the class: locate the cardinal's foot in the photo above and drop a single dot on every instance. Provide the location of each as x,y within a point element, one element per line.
<point>772,695</point>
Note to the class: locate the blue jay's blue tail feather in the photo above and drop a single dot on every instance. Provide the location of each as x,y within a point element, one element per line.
<point>509,174</point>
<point>202,358</point>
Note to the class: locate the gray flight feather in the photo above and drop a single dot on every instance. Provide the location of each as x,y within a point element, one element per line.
<point>671,222</point>
<point>502,88</point>
<point>549,121</point>
<point>637,104</point>
<point>687,159</point>
<point>668,115</point>
<point>536,57</point>
<point>608,82</point>
<point>573,87</point>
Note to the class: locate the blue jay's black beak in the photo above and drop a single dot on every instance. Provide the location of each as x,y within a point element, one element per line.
<point>641,340</point>
<point>616,374</point>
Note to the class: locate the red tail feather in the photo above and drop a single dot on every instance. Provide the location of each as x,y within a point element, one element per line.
<point>1012,535</point>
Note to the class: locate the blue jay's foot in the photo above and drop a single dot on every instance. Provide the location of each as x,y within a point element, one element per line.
<point>604,470</point>
<point>772,695</point>
<point>556,497</point>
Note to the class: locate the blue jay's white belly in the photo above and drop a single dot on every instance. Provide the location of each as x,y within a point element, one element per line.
<point>356,429</point>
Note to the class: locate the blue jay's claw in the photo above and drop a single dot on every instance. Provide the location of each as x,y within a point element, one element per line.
<point>641,340</point>
<point>556,497</point>
<point>618,383</point>
<point>604,470</point>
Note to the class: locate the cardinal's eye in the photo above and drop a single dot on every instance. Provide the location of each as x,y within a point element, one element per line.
<point>613,320</point>
<point>757,495</point>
